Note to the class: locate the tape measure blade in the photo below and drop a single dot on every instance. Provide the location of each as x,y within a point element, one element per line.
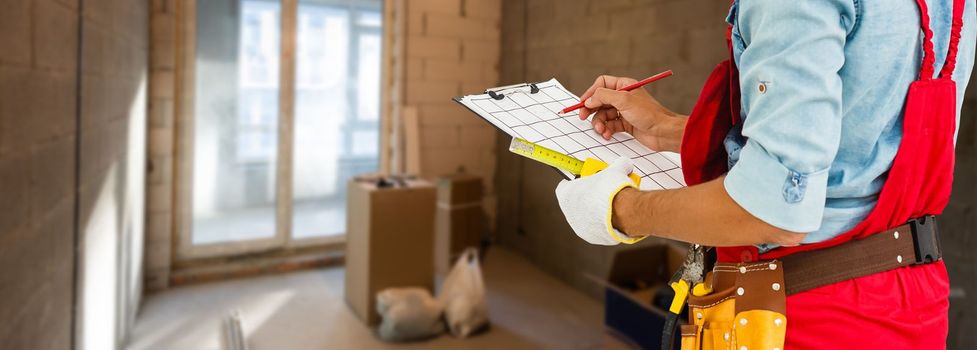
<point>521,147</point>
<point>545,155</point>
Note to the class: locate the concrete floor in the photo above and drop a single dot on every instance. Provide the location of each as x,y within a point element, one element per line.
<point>305,310</point>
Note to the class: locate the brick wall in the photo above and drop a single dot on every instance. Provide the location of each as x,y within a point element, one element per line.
<point>111,187</point>
<point>71,102</point>
<point>452,48</point>
<point>637,38</point>
<point>576,41</point>
<point>161,134</point>
<point>38,78</point>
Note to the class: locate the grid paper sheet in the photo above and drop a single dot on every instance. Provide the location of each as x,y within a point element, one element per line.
<point>536,118</point>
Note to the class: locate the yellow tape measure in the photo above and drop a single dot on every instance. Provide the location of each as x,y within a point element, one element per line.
<point>559,160</point>
<point>546,156</point>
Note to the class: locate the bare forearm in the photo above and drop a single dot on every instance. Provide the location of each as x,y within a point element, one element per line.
<point>703,214</point>
<point>669,131</point>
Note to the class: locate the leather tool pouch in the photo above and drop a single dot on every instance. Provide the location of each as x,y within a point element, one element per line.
<point>746,306</point>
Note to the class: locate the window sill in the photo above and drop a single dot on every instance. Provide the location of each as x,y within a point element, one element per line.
<point>273,261</point>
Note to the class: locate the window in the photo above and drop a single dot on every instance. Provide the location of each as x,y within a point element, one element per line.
<point>257,179</point>
<point>258,104</point>
<point>336,111</point>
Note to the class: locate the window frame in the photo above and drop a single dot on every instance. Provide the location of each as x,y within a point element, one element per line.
<point>185,44</point>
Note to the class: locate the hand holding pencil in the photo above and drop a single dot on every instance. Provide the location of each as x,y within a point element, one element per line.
<point>629,87</point>
<point>621,106</point>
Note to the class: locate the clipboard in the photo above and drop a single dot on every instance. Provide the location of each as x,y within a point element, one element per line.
<point>531,111</point>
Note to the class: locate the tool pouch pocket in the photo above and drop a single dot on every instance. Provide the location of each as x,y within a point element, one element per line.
<point>745,306</point>
<point>690,336</point>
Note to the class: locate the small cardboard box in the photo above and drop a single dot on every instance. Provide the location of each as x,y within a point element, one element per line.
<point>459,220</point>
<point>389,241</point>
<point>635,275</point>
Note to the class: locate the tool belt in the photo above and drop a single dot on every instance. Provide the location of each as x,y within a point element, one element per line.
<point>743,305</point>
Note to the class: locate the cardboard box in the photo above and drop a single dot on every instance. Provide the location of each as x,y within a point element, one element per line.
<point>459,189</point>
<point>460,219</point>
<point>389,242</point>
<point>636,274</point>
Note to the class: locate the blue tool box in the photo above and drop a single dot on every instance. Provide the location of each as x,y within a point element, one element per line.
<point>637,278</point>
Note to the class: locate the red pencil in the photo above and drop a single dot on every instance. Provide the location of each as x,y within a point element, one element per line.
<point>647,81</point>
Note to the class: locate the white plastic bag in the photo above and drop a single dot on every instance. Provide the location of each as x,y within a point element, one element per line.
<point>408,314</point>
<point>463,296</point>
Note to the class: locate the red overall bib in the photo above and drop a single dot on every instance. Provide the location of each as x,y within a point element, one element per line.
<point>905,308</point>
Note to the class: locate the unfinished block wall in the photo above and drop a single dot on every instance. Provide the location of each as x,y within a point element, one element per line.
<point>38,100</point>
<point>72,160</point>
<point>161,135</point>
<point>452,48</point>
<point>111,187</point>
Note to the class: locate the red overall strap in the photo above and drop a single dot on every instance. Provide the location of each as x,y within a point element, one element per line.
<point>926,68</point>
<point>955,30</point>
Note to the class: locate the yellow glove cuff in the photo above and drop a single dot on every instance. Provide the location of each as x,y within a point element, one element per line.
<point>615,234</point>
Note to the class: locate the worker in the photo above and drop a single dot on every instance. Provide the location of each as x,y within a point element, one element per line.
<point>823,146</point>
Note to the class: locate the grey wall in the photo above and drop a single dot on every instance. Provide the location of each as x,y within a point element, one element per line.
<point>111,182</point>
<point>576,40</point>
<point>72,149</point>
<point>38,76</point>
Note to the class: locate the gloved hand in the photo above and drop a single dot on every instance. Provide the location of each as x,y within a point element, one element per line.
<point>586,202</point>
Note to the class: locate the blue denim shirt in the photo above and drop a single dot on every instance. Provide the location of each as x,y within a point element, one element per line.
<point>823,87</point>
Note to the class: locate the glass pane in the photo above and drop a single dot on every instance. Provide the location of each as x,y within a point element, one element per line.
<point>235,126</point>
<point>368,80</point>
<point>336,110</point>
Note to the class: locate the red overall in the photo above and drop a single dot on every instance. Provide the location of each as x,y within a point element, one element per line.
<point>905,308</point>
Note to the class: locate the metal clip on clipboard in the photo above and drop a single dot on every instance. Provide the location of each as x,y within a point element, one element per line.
<point>499,92</point>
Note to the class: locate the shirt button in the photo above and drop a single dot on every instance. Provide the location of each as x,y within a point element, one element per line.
<point>762,88</point>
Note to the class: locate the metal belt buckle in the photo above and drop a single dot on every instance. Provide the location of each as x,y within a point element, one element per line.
<point>926,240</point>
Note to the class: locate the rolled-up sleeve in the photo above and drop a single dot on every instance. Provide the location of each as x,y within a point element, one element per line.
<point>792,52</point>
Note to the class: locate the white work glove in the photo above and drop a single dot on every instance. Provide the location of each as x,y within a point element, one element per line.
<point>586,202</point>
